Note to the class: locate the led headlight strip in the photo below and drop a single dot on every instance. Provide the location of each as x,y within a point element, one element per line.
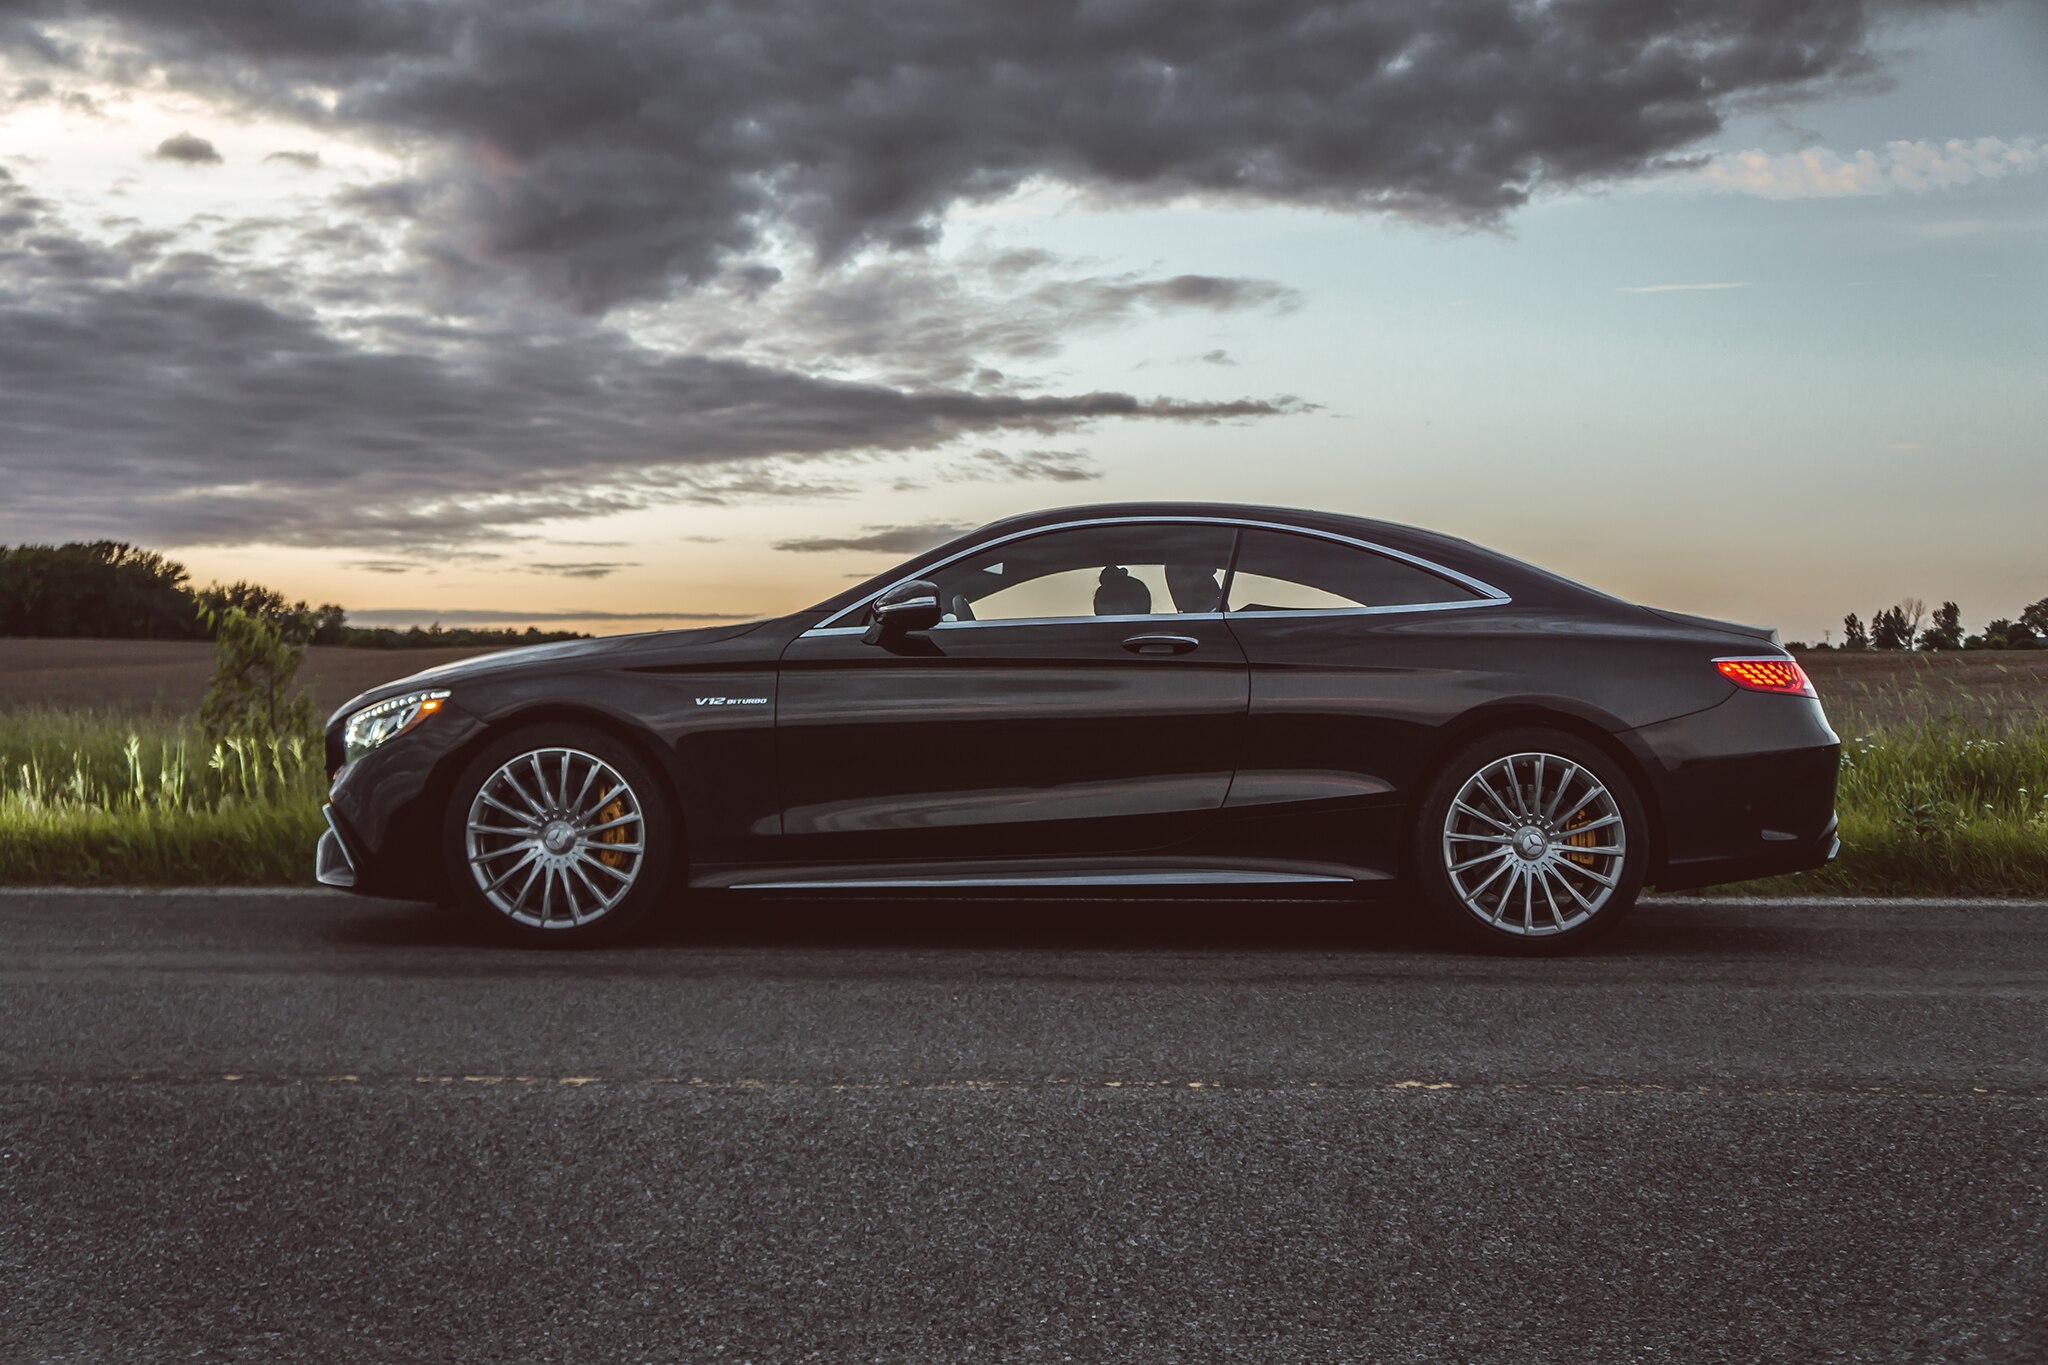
<point>387,719</point>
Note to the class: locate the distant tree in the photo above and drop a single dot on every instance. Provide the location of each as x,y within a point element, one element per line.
<point>255,679</point>
<point>322,625</point>
<point>253,598</point>
<point>2004,634</point>
<point>329,625</point>
<point>2035,617</point>
<point>108,590</point>
<point>104,589</point>
<point>1854,636</point>
<point>1800,647</point>
<point>1947,630</point>
<point>1889,629</point>
<point>1913,610</point>
<point>384,637</point>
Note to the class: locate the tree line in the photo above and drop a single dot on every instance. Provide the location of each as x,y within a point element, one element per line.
<point>109,590</point>
<point>1909,625</point>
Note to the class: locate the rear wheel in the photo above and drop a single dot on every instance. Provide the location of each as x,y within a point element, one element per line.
<point>559,834</point>
<point>1530,841</point>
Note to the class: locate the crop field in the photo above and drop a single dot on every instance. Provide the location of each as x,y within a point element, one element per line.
<point>169,676</point>
<point>104,780</point>
<point>1989,690</point>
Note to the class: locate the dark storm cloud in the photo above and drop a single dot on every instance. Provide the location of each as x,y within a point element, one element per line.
<point>185,147</point>
<point>610,152</point>
<point>145,393</point>
<point>922,319</point>
<point>894,540</point>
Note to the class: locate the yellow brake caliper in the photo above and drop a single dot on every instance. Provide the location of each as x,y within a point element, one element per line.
<point>1589,839</point>
<point>615,835</point>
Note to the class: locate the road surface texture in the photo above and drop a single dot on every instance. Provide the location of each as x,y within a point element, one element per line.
<point>256,1126</point>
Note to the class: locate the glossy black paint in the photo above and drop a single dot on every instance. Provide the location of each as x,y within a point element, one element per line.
<point>1167,745</point>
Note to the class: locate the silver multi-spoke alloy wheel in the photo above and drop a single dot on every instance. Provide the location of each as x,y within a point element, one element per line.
<point>555,838</point>
<point>1534,844</point>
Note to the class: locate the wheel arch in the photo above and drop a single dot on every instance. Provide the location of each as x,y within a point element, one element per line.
<point>1515,715</point>
<point>638,738</point>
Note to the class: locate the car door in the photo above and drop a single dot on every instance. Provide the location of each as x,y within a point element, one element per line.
<point>1352,671</point>
<point>1068,705</point>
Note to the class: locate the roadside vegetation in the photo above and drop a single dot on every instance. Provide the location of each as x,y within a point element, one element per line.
<point>1936,809</point>
<point>1944,787</point>
<point>233,797</point>
<point>89,798</point>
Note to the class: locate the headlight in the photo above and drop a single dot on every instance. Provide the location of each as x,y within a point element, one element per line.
<point>387,719</point>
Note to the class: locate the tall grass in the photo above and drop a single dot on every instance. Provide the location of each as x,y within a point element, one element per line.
<point>1938,808</point>
<point>96,799</point>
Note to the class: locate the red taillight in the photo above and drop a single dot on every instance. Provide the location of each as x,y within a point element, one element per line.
<point>1767,675</point>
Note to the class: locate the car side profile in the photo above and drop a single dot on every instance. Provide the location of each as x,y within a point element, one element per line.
<point>1168,694</point>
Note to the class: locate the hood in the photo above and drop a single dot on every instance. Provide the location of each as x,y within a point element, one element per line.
<point>1768,634</point>
<point>542,657</point>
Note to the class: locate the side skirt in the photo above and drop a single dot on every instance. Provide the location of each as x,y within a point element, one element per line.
<point>1149,877</point>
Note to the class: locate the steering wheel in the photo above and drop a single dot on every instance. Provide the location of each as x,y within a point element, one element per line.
<point>960,608</point>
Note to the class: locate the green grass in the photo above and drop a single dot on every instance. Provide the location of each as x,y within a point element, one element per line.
<point>87,798</point>
<point>92,799</point>
<point>1936,809</point>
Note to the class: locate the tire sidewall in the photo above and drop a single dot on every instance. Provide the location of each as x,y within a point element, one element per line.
<point>1425,851</point>
<point>651,888</point>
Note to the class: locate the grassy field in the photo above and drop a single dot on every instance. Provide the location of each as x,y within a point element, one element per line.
<point>1944,776</point>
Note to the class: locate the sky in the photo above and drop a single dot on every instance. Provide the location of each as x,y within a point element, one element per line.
<point>622,316</point>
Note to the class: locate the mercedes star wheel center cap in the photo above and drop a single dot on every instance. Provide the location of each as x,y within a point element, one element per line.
<point>1530,843</point>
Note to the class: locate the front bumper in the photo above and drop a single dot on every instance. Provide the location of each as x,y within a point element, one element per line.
<point>385,812</point>
<point>331,864</point>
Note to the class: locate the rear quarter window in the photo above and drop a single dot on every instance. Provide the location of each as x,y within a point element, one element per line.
<point>1278,571</point>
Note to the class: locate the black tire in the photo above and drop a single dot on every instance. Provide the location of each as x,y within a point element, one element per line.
<point>1550,879</point>
<point>653,875</point>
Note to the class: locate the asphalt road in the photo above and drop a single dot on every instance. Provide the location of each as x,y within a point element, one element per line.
<point>257,1126</point>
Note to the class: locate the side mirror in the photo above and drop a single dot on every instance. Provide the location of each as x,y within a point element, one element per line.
<point>904,608</point>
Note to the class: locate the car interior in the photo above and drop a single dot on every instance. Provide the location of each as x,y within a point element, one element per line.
<point>1128,570</point>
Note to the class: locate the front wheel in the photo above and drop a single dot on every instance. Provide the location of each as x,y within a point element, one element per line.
<point>1530,841</point>
<point>559,834</point>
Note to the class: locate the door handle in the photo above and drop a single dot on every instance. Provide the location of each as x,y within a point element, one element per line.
<point>1161,644</point>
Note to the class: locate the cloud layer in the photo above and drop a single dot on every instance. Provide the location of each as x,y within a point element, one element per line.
<point>643,252</point>
<point>162,381</point>
<point>612,152</point>
<point>1900,167</point>
<point>894,540</point>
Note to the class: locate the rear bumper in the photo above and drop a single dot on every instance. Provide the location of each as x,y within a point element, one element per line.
<point>1787,855</point>
<point>1744,789</point>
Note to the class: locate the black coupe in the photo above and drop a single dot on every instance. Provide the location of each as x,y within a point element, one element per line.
<point>1159,694</point>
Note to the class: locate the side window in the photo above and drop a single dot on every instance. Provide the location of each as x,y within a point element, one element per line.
<point>1134,569</point>
<point>1281,572</point>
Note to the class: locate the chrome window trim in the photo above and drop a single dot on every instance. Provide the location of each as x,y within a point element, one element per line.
<point>1490,596</point>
